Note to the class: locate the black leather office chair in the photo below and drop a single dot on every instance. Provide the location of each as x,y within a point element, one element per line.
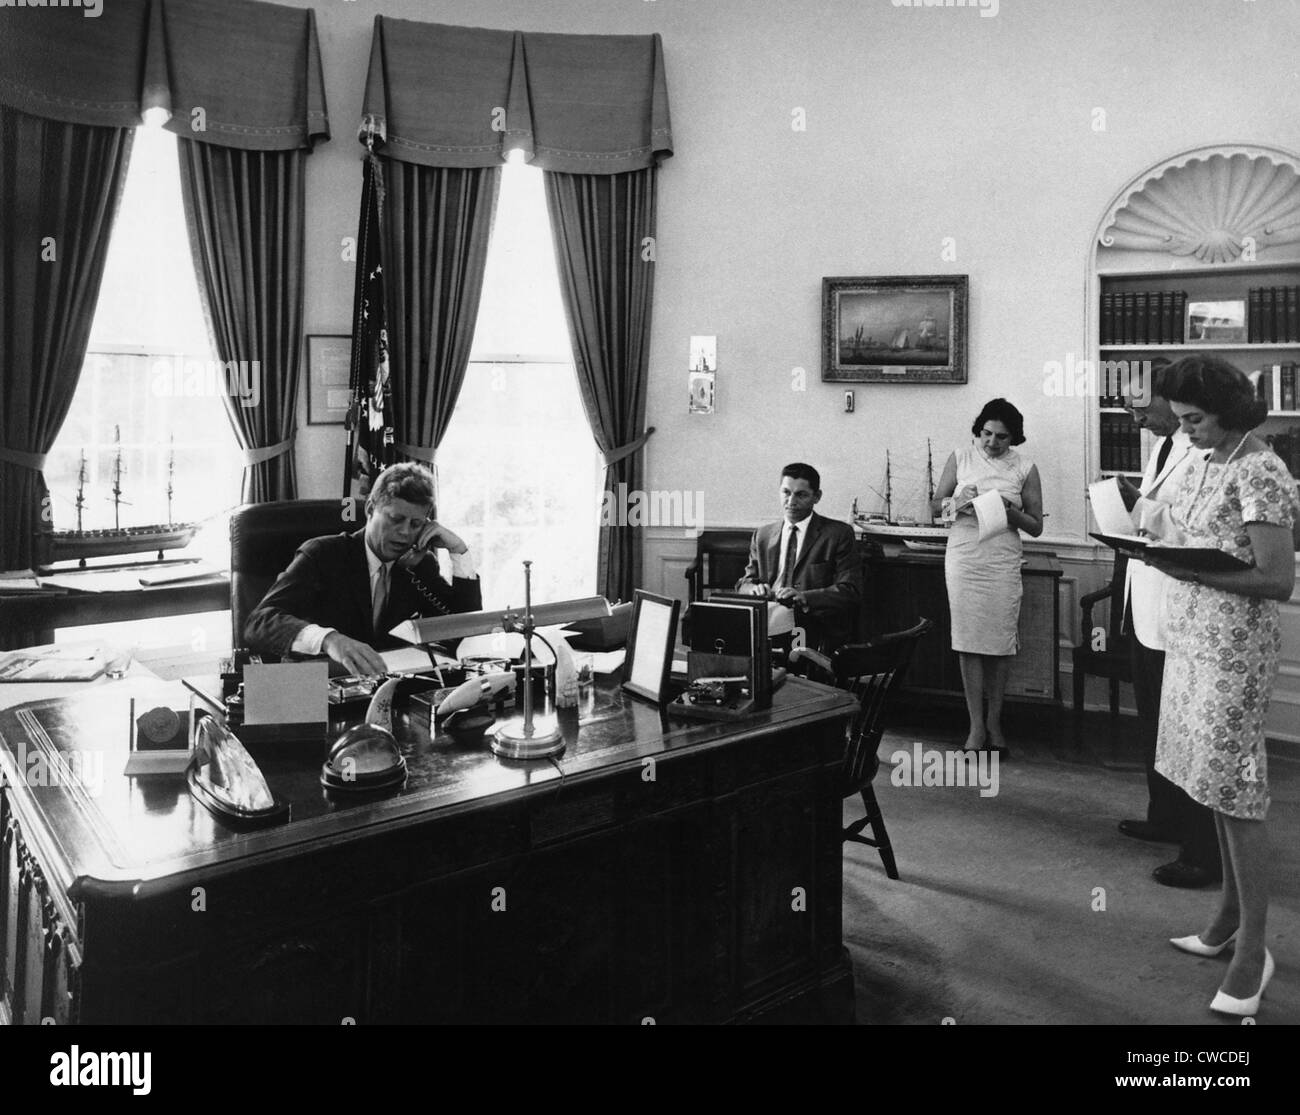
<point>720,560</point>
<point>263,539</point>
<point>872,672</point>
<point>1112,661</point>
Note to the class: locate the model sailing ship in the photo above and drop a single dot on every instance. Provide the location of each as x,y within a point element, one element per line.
<point>883,524</point>
<point>83,544</point>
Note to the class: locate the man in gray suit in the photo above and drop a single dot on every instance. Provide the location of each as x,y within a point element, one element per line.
<point>808,562</point>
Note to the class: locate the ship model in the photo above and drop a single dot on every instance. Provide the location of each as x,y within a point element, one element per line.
<point>883,524</point>
<point>82,544</point>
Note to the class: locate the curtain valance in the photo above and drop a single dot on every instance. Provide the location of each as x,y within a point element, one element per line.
<point>439,95</point>
<point>237,73</point>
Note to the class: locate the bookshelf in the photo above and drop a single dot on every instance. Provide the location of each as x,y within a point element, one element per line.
<point>1215,224</point>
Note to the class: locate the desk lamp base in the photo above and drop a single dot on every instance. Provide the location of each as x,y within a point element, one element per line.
<point>513,740</point>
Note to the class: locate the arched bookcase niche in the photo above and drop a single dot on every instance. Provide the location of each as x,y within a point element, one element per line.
<point>1219,223</point>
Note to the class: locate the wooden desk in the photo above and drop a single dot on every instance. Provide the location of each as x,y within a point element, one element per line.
<point>30,619</point>
<point>654,870</point>
<point>904,585</point>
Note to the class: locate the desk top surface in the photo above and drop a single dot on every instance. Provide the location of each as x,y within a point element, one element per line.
<point>65,756</point>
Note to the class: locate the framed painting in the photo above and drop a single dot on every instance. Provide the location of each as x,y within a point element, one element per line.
<point>896,329</point>
<point>329,377</point>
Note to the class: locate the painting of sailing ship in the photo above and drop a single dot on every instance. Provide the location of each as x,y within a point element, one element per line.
<point>900,329</point>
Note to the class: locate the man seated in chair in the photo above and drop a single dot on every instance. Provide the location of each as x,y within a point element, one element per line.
<point>808,563</point>
<point>342,593</point>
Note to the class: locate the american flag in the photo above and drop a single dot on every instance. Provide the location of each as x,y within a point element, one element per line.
<point>369,421</point>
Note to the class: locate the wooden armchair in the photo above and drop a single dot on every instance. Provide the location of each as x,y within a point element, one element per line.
<point>720,560</point>
<point>1112,661</point>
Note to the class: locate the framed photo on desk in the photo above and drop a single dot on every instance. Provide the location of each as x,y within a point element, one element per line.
<point>650,646</point>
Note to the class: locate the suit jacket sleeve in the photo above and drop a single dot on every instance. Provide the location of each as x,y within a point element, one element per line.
<point>303,590</point>
<point>436,596</point>
<point>845,590</point>
<point>753,569</point>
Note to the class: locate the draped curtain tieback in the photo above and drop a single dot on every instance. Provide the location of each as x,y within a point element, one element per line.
<point>33,461</point>
<point>266,453</point>
<point>422,453</point>
<point>615,455</point>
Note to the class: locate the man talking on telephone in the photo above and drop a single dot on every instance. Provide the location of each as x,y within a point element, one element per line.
<point>342,593</point>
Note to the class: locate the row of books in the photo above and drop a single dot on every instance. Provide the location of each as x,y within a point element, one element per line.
<point>1142,317</point>
<point>1273,314</point>
<point>1276,385</point>
<point>1121,444</point>
<point>1287,446</point>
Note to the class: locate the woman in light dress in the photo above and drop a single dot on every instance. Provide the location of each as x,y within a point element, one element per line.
<point>983,577</point>
<point>1221,654</point>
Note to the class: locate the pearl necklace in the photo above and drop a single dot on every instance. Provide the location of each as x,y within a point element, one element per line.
<point>1196,496</point>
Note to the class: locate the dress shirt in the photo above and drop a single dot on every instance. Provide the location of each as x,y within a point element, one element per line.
<point>786,527</point>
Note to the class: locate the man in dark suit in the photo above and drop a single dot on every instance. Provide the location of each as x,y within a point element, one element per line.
<point>342,593</point>
<point>809,563</point>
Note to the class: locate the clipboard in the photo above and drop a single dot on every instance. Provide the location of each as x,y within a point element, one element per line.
<point>1202,558</point>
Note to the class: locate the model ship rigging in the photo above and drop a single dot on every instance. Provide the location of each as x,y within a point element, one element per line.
<point>884,524</point>
<point>83,544</point>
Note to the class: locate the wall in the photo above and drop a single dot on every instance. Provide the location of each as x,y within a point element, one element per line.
<point>922,123</point>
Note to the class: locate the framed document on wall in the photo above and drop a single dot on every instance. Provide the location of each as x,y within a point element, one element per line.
<point>329,376</point>
<point>650,646</point>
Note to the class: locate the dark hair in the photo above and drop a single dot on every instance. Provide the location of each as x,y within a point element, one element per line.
<point>801,471</point>
<point>999,410</point>
<point>1215,387</point>
<point>406,481</point>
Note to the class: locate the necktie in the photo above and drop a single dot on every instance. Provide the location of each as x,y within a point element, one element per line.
<point>380,596</point>
<point>1163,455</point>
<point>786,579</point>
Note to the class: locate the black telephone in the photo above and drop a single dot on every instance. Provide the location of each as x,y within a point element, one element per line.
<point>420,543</point>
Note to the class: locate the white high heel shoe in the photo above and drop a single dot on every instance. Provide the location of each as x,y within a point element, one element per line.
<point>1197,947</point>
<point>1245,1008</point>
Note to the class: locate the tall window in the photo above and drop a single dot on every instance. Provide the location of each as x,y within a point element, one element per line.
<point>518,472</point>
<point>149,375</point>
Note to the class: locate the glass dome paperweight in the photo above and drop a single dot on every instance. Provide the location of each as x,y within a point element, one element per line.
<point>225,780</point>
<point>364,759</point>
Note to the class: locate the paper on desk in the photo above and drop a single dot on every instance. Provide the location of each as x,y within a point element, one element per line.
<point>780,619</point>
<point>286,693</point>
<point>991,513</point>
<point>1108,507</point>
<point>407,660</point>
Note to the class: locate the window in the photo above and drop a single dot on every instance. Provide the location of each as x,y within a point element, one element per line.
<point>519,474</point>
<point>149,374</point>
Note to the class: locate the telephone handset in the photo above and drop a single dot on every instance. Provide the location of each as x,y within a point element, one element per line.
<point>421,542</point>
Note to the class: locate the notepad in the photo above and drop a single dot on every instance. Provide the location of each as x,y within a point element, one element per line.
<point>1108,507</point>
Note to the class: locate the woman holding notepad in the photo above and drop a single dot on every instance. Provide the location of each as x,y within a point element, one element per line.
<point>1222,651</point>
<point>990,492</point>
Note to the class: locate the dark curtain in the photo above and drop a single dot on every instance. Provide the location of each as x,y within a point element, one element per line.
<point>437,222</point>
<point>60,184</point>
<point>246,211</point>
<point>602,225</point>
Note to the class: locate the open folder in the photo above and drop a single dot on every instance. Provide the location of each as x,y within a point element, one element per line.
<point>1204,558</point>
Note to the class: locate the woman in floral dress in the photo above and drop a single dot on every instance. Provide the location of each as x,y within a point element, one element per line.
<point>1222,652</point>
